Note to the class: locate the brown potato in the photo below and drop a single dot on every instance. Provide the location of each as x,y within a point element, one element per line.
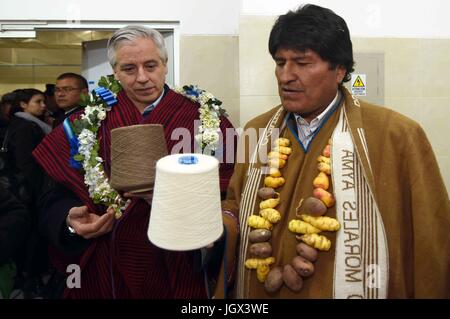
<point>312,206</point>
<point>292,279</point>
<point>307,252</point>
<point>261,250</point>
<point>302,266</point>
<point>266,193</point>
<point>259,235</point>
<point>274,280</point>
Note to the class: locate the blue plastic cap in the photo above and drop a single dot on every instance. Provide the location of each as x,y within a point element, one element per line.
<point>188,160</point>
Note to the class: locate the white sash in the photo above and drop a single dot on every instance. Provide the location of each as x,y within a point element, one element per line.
<point>361,262</point>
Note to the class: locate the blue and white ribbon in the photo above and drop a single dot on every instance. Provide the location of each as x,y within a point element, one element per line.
<point>74,144</point>
<point>106,95</point>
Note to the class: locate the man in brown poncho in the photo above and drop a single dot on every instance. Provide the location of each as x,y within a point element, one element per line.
<point>378,178</point>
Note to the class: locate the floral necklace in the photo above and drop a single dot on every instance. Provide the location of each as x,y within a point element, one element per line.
<point>210,111</point>
<point>311,223</point>
<point>84,145</point>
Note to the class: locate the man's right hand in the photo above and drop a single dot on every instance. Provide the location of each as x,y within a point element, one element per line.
<point>89,225</point>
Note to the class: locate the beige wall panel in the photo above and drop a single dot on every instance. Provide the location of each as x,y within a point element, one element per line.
<point>402,70</point>
<point>436,114</point>
<point>256,64</point>
<point>6,88</point>
<point>410,107</point>
<point>434,66</point>
<point>212,62</point>
<point>444,164</point>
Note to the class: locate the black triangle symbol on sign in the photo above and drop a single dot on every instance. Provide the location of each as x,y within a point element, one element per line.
<point>358,82</point>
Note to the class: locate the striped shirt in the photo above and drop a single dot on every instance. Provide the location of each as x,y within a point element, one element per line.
<point>152,106</point>
<point>306,131</point>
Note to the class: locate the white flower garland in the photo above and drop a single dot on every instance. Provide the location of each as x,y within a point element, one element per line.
<point>210,111</point>
<point>86,128</point>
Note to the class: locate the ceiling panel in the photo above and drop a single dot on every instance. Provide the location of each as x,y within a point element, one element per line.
<point>40,60</point>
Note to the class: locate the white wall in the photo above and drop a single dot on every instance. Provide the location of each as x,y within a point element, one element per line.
<point>373,18</point>
<point>197,17</point>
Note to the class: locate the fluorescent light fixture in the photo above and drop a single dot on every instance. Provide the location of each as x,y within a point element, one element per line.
<point>17,34</point>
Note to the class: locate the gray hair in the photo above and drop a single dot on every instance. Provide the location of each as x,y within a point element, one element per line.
<point>131,33</point>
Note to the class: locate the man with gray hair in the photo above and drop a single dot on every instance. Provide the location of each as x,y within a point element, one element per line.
<point>115,256</point>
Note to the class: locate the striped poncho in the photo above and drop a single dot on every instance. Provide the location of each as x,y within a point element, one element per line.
<point>123,263</point>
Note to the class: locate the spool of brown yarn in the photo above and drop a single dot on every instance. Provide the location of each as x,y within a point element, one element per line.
<point>134,152</point>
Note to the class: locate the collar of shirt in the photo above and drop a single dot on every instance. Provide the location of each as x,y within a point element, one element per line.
<point>306,130</point>
<point>152,106</point>
<point>71,110</point>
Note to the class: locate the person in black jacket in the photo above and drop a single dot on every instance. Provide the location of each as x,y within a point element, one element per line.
<point>14,225</point>
<point>26,131</point>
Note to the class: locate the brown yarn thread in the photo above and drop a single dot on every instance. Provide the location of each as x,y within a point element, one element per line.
<point>134,152</point>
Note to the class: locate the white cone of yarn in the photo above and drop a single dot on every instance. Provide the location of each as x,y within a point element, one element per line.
<point>186,213</point>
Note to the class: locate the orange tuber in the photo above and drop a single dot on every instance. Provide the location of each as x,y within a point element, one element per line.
<point>283,149</point>
<point>324,159</point>
<point>327,151</point>
<point>321,181</point>
<point>276,162</point>
<point>274,182</point>
<point>324,167</point>
<point>274,172</point>
<point>274,154</point>
<point>324,196</point>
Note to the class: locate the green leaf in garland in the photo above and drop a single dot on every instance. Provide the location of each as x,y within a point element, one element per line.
<point>97,199</point>
<point>92,161</point>
<point>115,87</point>
<point>78,157</point>
<point>111,78</point>
<point>95,148</point>
<point>77,126</point>
<point>92,118</point>
<point>103,82</point>
<point>84,100</point>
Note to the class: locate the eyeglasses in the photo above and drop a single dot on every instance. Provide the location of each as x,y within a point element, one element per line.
<point>65,89</point>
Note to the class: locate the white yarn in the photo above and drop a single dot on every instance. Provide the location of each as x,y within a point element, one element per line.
<point>186,212</point>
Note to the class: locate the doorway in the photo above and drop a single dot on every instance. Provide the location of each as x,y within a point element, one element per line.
<point>58,47</point>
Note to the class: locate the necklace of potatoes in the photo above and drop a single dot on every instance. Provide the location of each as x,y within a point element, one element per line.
<point>309,224</point>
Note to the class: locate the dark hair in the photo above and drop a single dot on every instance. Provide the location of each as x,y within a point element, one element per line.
<point>23,95</point>
<point>317,29</point>
<point>82,82</point>
<point>8,98</point>
<point>49,89</point>
<point>5,106</point>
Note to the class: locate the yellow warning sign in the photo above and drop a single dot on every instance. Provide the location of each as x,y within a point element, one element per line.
<point>358,82</point>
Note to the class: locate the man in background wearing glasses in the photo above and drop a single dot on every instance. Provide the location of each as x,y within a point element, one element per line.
<point>68,90</point>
